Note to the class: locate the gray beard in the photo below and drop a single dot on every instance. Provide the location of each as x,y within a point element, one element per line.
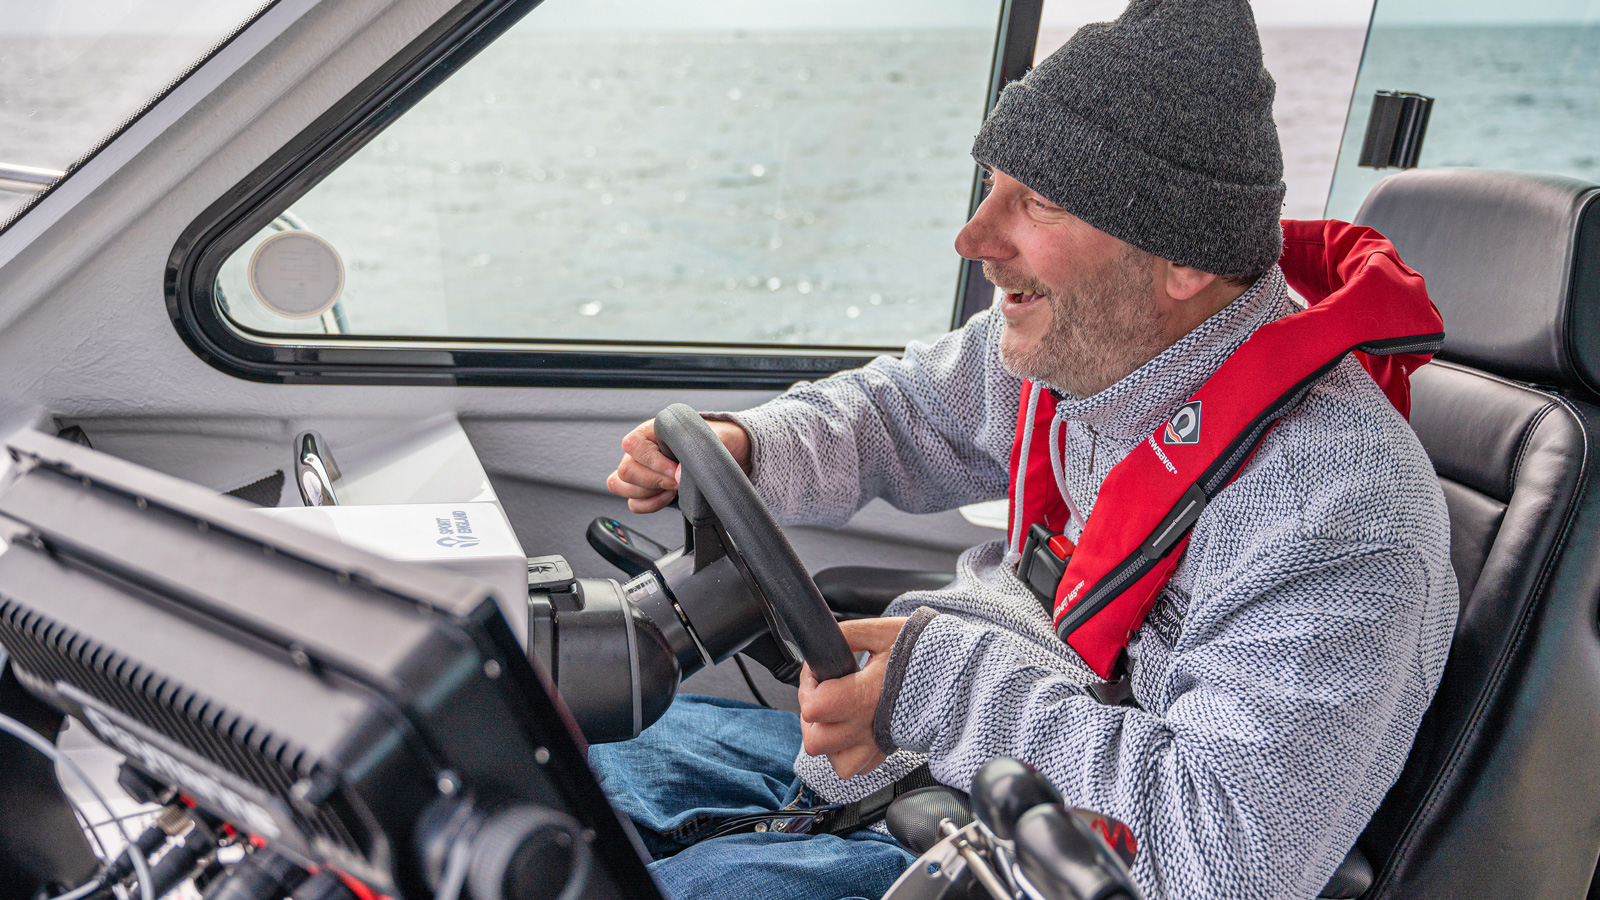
<point>1101,330</point>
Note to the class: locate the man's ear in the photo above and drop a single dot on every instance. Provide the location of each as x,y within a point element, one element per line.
<point>1184,282</point>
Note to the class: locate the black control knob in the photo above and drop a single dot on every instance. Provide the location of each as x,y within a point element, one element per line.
<point>1004,789</point>
<point>1063,859</point>
<point>529,853</point>
<point>623,547</point>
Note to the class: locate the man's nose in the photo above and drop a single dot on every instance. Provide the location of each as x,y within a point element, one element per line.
<point>981,238</point>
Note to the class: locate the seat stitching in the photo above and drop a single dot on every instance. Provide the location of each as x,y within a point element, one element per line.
<point>1523,443</point>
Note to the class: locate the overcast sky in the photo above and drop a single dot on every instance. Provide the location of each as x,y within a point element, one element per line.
<point>219,16</point>
<point>1269,13</point>
<point>682,14</point>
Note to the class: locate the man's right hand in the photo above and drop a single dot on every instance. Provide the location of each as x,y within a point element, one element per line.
<point>649,479</point>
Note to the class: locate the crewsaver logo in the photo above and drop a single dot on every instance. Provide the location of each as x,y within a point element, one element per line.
<point>1184,426</point>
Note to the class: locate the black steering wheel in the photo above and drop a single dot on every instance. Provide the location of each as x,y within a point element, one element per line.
<point>712,488</point>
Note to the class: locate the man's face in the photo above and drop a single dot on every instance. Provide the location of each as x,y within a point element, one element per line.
<point>1080,306</point>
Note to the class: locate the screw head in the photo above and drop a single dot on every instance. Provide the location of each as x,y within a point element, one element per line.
<point>308,793</point>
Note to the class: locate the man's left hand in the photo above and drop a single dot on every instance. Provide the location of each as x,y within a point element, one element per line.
<point>836,716</point>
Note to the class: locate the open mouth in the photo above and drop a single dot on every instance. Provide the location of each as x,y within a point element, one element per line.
<point>1017,301</point>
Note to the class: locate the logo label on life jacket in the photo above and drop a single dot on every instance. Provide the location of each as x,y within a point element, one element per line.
<point>1073,594</point>
<point>1184,426</point>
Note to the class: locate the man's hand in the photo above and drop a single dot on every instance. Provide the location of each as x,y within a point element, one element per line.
<point>649,479</point>
<point>836,716</point>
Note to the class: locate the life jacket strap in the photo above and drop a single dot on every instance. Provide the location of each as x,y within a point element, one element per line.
<point>1362,300</point>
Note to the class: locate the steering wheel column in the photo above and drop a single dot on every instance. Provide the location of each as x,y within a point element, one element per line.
<point>724,516</point>
<point>735,581</point>
<point>701,602</point>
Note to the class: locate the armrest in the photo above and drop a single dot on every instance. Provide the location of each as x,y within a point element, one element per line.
<point>913,818</point>
<point>1351,879</point>
<point>858,592</point>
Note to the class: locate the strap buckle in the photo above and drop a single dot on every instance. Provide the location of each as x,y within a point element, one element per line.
<point>1044,563</point>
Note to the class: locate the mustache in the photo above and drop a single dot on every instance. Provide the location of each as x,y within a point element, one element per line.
<point>1012,282</point>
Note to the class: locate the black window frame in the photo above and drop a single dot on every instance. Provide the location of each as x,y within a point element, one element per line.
<point>365,112</point>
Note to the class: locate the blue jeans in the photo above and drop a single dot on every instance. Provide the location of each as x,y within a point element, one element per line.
<point>709,758</point>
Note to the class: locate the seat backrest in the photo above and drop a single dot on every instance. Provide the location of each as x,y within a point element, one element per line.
<point>1500,796</point>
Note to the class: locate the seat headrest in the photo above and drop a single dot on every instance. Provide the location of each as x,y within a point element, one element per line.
<point>1512,260</point>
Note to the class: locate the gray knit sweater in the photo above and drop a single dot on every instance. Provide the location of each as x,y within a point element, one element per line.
<point>1282,675</point>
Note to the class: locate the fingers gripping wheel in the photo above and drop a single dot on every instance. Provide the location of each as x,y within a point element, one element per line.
<point>722,507</point>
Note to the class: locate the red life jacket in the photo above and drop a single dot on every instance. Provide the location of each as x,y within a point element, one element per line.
<point>1362,298</point>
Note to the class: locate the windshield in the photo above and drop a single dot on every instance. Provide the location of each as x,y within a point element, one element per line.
<point>762,172</point>
<point>1515,87</point>
<point>73,71</point>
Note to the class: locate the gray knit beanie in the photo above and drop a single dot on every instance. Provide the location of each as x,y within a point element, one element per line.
<point>1157,129</point>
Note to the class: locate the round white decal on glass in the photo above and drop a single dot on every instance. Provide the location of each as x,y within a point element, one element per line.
<point>296,274</point>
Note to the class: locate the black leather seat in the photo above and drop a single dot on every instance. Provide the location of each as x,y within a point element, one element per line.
<point>1500,796</point>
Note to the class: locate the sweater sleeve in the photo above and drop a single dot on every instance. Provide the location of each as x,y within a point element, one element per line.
<point>927,432</point>
<point>1253,774</point>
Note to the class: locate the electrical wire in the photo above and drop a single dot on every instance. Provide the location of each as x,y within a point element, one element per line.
<point>455,868</point>
<point>37,741</point>
<point>82,890</point>
<point>148,810</point>
<point>83,822</point>
<point>750,682</point>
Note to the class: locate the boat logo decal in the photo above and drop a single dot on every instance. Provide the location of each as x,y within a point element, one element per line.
<point>457,530</point>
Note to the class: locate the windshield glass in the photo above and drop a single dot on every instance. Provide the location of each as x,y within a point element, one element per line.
<point>1515,86</point>
<point>72,71</point>
<point>753,172</point>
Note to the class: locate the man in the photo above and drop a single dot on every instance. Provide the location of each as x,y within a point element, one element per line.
<point>1278,682</point>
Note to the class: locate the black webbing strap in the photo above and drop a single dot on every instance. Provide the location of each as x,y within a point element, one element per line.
<point>840,818</point>
<point>848,817</point>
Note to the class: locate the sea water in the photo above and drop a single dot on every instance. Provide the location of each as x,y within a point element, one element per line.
<point>774,188</point>
<point>1518,97</point>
